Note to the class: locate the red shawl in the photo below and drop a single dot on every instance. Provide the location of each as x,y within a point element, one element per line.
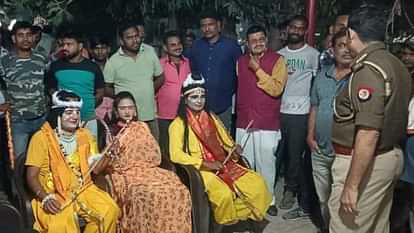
<point>205,130</point>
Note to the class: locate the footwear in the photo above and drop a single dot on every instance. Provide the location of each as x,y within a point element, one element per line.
<point>288,200</point>
<point>296,214</point>
<point>272,211</point>
<point>323,231</point>
<point>258,226</point>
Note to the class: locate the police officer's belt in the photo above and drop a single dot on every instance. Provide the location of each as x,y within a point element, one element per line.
<point>344,150</point>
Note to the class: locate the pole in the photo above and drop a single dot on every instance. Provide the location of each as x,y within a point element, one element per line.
<point>311,15</point>
<point>10,145</point>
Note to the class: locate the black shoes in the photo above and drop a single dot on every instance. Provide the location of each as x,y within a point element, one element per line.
<point>272,211</point>
<point>258,227</point>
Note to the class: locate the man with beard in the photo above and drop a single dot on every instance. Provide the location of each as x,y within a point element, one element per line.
<point>77,74</point>
<point>214,57</point>
<point>370,120</point>
<point>22,72</point>
<point>99,49</point>
<point>176,69</point>
<point>328,80</point>
<point>407,55</point>
<point>302,62</point>
<point>261,78</point>
<point>135,68</point>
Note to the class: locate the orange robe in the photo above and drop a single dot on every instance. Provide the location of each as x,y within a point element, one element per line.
<point>60,175</point>
<point>152,199</point>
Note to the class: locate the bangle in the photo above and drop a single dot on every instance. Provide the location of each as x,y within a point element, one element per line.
<point>49,197</point>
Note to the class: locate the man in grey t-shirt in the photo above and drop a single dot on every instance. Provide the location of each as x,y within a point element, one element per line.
<point>302,62</point>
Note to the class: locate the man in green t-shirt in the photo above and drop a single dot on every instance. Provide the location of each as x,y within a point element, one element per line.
<point>135,68</point>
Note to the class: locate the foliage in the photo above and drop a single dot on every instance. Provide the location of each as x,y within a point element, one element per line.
<point>55,11</point>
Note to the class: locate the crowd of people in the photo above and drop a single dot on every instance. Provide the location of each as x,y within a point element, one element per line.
<point>337,121</point>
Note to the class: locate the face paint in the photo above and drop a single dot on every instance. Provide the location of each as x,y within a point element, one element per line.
<point>70,119</point>
<point>196,100</point>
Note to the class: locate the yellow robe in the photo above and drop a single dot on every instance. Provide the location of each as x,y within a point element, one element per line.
<point>93,204</point>
<point>227,206</point>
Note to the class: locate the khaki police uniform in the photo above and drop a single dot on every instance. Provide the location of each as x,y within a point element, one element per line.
<point>376,97</point>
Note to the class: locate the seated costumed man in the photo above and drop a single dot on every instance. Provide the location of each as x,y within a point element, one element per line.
<point>198,138</point>
<point>58,163</point>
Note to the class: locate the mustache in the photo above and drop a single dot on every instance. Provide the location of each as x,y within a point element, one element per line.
<point>293,37</point>
<point>346,55</point>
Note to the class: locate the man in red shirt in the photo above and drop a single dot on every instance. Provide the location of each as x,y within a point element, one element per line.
<point>176,69</point>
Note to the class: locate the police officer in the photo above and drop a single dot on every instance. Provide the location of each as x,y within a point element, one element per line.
<point>370,119</point>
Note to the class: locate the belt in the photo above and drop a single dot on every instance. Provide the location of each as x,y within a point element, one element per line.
<point>344,150</point>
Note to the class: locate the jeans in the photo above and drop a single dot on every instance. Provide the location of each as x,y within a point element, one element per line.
<point>22,130</point>
<point>411,204</point>
<point>4,179</point>
<point>298,165</point>
<point>321,167</point>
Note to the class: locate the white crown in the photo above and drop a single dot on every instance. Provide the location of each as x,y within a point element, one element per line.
<point>57,103</point>
<point>190,81</point>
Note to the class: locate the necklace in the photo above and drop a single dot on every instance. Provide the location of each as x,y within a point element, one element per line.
<point>67,143</point>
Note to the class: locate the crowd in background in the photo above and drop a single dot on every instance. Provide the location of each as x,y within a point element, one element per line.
<point>298,113</point>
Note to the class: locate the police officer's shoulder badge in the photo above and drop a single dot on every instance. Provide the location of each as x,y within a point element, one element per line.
<point>364,93</point>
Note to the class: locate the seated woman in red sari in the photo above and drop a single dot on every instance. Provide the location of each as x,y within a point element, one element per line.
<point>198,138</point>
<point>152,199</point>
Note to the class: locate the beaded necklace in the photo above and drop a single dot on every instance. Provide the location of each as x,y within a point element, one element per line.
<point>66,143</point>
<point>68,146</point>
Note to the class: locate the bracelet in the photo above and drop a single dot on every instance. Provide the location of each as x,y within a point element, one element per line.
<point>49,197</point>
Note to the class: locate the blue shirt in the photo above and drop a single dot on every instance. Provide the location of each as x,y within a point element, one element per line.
<point>323,92</point>
<point>216,62</point>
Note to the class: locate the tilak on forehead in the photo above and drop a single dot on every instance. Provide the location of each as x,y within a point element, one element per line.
<point>195,91</point>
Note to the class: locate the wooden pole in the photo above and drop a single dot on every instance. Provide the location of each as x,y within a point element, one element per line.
<point>10,139</point>
<point>311,6</point>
